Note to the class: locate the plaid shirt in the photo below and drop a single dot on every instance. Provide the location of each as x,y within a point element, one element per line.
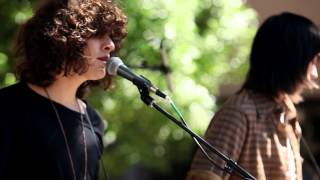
<point>261,135</point>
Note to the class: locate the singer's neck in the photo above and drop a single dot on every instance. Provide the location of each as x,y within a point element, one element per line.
<point>63,90</point>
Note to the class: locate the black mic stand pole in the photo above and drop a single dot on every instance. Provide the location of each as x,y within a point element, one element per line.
<point>230,166</point>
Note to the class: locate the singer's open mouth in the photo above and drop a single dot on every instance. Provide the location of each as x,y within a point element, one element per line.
<point>104,58</point>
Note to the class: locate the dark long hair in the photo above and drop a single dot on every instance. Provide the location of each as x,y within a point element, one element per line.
<point>282,49</point>
<point>53,40</point>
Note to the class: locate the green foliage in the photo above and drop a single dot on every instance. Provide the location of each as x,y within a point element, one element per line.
<point>12,14</point>
<point>207,42</point>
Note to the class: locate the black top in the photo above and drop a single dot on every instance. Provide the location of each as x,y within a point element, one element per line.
<point>31,141</point>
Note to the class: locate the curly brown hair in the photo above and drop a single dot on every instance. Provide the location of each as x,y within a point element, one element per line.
<point>53,40</point>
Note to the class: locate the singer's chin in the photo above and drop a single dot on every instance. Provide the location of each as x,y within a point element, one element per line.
<point>109,76</point>
<point>100,74</point>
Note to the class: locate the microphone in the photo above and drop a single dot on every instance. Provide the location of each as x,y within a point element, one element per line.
<point>115,66</point>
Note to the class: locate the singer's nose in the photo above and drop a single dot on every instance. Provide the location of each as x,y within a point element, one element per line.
<point>109,45</point>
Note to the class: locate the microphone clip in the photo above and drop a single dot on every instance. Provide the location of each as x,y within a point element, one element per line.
<point>144,90</point>
<point>146,83</point>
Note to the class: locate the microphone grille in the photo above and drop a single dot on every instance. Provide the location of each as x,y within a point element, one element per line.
<point>113,64</point>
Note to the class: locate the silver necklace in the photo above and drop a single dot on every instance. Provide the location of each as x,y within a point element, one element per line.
<point>66,140</point>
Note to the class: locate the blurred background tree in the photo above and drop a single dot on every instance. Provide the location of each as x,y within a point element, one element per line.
<point>207,43</point>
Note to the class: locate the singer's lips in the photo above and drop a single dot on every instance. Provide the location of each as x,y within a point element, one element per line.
<point>104,58</point>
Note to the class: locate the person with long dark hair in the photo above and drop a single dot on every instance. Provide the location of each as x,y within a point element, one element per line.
<point>48,131</point>
<point>258,126</point>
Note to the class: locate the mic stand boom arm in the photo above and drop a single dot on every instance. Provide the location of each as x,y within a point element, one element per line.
<point>230,166</point>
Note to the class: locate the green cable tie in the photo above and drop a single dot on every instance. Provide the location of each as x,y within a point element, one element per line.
<point>176,109</point>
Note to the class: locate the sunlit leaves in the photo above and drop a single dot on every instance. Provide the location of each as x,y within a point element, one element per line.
<point>207,42</point>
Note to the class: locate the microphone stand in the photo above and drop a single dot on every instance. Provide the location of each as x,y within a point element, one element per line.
<point>230,166</point>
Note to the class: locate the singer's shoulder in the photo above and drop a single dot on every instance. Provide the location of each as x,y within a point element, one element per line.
<point>92,112</point>
<point>242,101</point>
<point>94,115</point>
<point>250,103</point>
<point>11,98</point>
<point>98,123</point>
<point>238,99</point>
<point>7,91</point>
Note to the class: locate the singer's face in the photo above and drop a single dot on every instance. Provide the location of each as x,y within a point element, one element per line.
<point>97,52</point>
<point>311,76</point>
<point>312,72</point>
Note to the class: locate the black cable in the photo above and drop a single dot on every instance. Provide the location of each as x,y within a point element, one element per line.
<point>229,162</point>
<point>313,160</point>
<point>105,174</point>
<point>230,165</point>
<point>225,169</point>
<point>97,146</point>
<point>202,149</point>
